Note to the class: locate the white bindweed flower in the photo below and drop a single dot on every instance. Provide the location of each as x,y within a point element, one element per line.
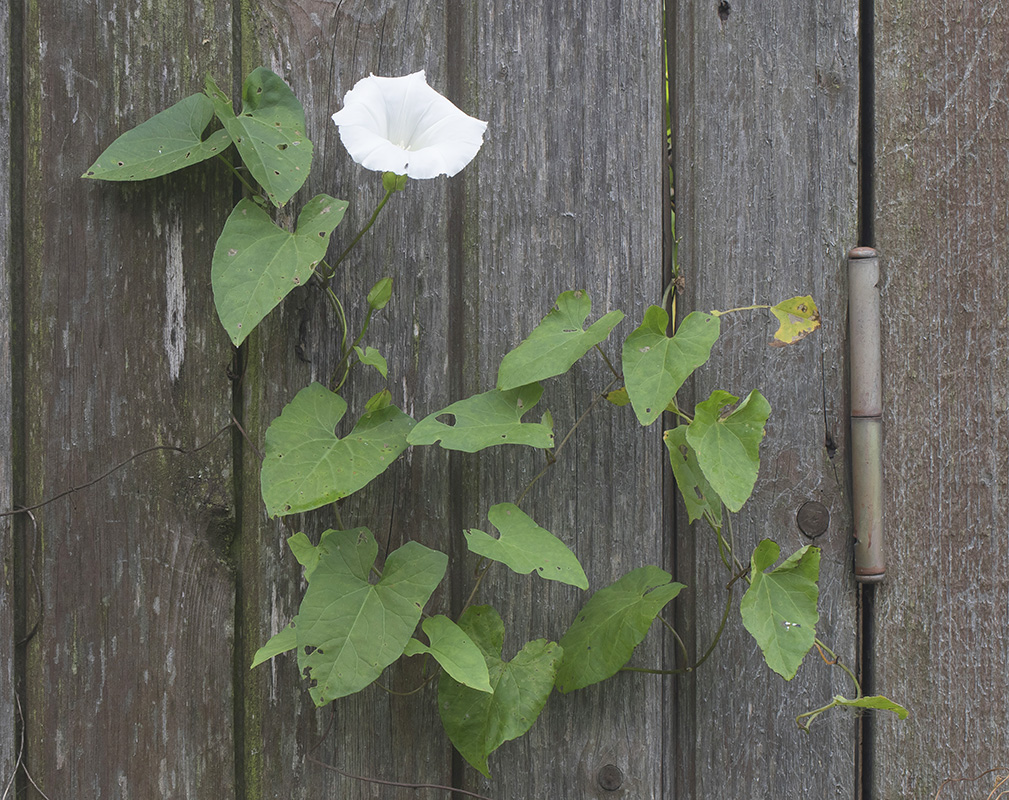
<point>402,125</point>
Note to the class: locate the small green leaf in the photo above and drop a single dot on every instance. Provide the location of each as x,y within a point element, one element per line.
<point>269,133</point>
<point>167,142</point>
<point>656,365</point>
<point>798,317</point>
<point>478,723</point>
<point>378,401</point>
<point>611,624</point>
<point>779,608</point>
<point>875,701</point>
<point>524,546</point>
<point>256,263</point>
<point>306,552</point>
<point>698,496</point>
<point>307,466</point>
<point>455,651</point>
<point>556,343</point>
<point>348,629</point>
<point>392,182</point>
<point>728,445</point>
<point>618,397</point>
<point>486,420</point>
<point>380,294</point>
<point>280,642</point>
<point>372,358</point>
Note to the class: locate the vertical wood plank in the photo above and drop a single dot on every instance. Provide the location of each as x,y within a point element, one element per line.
<point>766,191</point>
<point>568,194</point>
<point>8,739</point>
<point>942,226</point>
<point>322,49</point>
<point>130,673</point>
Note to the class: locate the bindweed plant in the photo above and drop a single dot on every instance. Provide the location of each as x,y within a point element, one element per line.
<point>352,625</point>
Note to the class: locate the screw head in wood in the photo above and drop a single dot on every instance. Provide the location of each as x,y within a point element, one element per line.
<point>813,519</point>
<point>610,777</point>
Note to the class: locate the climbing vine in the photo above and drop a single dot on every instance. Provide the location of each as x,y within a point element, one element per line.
<point>357,618</point>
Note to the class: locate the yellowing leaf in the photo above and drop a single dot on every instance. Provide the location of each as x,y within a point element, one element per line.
<point>798,317</point>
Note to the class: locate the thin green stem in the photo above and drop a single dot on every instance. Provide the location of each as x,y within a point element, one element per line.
<point>389,193</point>
<point>334,301</point>
<point>613,369</point>
<point>834,661</point>
<point>425,682</point>
<point>238,175</point>
<point>679,641</point>
<point>481,570</point>
<point>733,310</point>
<point>348,350</point>
<point>676,410</point>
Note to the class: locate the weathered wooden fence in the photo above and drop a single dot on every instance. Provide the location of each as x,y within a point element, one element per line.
<point>130,608</point>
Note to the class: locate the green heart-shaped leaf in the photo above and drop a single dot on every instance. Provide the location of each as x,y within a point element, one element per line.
<point>611,624</point>
<point>307,466</point>
<point>167,142</point>
<point>728,445</point>
<point>454,650</point>
<point>698,496</point>
<point>256,263</point>
<point>556,343</point>
<point>486,420</point>
<point>656,365</point>
<point>269,133</point>
<point>478,723</point>
<point>779,608</point>
<point>348,629</point>
<point>524,546</point>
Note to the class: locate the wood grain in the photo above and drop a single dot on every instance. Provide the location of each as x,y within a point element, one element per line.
<point>766,189</point>
<point>129,690</point>
<point>942,227</point>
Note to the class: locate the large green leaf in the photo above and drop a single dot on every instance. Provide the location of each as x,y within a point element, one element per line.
<point>656,365</point>
<point>478,723</point>
<point>165,143</point>
<point>779,608</point>
<point>256,263</point>
<point>524,546</point>
<point>348,629</point>
<point>728,445</point>
<point>307,466</point>
<point>556,343</point>
<point>454,650</point>
<point>611,624</point>
<point>485,420</point>
<point>269,133</point>
<point>698,496</point>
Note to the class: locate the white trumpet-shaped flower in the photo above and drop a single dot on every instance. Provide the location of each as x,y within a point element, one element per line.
<point>402,125</point>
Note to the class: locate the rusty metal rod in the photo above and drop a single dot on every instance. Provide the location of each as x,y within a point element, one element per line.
<point>866,414</point>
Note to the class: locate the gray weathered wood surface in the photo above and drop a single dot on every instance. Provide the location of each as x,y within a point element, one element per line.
<point>129,676</point>
<point>766,178</point>
<point>942,227</point>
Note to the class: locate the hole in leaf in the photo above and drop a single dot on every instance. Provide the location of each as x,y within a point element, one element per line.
<point>446,419</point>
<point>121,164</point>
<point>282,146</point>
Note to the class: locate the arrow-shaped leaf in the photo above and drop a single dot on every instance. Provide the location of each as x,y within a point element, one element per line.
<point>485,420</point>
<point>348,629</point>
<point>454,650</point>
<point>611,624</point>
<point>478,723</point>
<point>168,141</point>
<point>779,608</point>
<point>269,133</point>
<point>307,466</point>
<point>556,343</point>
<point>656,365</point>
<point>728,445</point>
<point>256,263</point>
<point>698,496</point>
<point>524,546</point>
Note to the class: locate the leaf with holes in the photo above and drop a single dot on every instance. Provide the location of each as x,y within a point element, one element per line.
<point>779,608</point>
<point>485,420</point>
<point>478,723</point>
<point>307,466</point>
<point>454,650</point>
<point>524,546</point>
<point>256,263</point>
<point>349,629</point>
<point>728,445</point>
<point>698,496</point>
<point>798,318</point>
<point>269,133</point>
<point>556,343</point>
<point>167,142</point>
<point>611,624</point>
<point>656,365</point>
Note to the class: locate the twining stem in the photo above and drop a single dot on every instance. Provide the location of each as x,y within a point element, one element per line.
<point>834,661</point>
<point>347,351</point>
<point>389,193</point>
<point>238,174</point>
<point>679,641</point>
<point>334,301</point>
